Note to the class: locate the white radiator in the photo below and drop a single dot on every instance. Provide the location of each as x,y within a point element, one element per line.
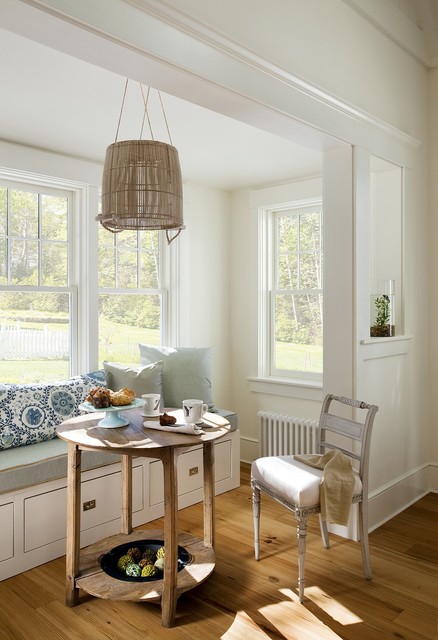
<point>282,435</point>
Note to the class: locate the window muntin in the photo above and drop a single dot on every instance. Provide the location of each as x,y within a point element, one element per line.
<point>36,299</point>
<point>296,320</point>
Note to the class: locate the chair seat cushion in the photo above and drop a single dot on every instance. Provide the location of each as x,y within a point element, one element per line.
<point>292,481</point>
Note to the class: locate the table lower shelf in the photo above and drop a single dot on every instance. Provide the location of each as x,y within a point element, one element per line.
<point>96,582</point>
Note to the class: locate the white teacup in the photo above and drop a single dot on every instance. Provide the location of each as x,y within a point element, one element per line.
<point>151,407</point>
<point>193,411</point>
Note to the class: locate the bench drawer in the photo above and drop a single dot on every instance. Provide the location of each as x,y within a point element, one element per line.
<point>45,513</point>
<point>190,471</point>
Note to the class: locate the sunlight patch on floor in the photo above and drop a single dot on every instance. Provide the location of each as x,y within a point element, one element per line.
<point>244,627</point>
<point>332,607</point>
<point>295,622</point>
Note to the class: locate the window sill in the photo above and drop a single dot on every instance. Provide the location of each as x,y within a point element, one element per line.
<point>292,388</point>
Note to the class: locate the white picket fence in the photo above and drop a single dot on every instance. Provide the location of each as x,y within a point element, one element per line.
<point>32,344</point>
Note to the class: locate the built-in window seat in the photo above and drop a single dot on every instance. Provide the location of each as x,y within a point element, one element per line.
<point>33,474</point>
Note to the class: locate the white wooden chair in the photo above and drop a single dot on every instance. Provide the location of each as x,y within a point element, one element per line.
<point>297,486</point>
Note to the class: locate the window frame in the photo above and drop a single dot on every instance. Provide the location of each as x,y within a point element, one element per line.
<point>47,188</point>
<point>160,291</point>
<point>268,253</point>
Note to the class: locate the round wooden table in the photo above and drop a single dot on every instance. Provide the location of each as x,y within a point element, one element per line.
<point>83,570</point>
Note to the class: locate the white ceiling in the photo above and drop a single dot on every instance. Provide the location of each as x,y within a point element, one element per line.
<point>56,102</point>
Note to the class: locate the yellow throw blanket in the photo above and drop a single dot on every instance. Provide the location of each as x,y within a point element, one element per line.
<point>337,484</point>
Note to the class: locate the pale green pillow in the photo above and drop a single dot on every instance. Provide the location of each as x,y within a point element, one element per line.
<point>186,372</point>
<point>142,379</point>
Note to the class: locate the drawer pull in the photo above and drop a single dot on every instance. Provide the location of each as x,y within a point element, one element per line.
<point>193,471</point>
<point>90,504</point>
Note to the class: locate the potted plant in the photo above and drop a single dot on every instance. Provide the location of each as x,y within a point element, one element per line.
<point>381,326</point>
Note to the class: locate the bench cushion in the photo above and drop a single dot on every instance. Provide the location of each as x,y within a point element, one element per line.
<point>27,466</point>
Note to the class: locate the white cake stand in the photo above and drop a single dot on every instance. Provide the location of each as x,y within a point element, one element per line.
<point>112,419</point>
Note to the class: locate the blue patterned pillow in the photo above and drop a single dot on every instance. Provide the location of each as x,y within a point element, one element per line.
<point>97,377</point>
<point>30,413</point>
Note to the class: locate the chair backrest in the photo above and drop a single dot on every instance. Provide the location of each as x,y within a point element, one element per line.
<point>356,436</point>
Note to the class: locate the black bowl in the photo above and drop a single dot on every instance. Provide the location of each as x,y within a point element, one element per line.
<point>108,561</point>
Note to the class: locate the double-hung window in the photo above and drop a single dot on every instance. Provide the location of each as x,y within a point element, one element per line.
<point>293,315</point>
<point>37,300</point>
<point>131,301</point>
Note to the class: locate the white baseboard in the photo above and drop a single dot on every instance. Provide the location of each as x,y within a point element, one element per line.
<point>387,502</point>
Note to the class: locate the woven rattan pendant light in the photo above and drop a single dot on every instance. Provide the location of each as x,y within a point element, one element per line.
<point>142,184</point>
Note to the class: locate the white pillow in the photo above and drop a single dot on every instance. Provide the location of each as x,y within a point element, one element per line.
<point>143,379</point>
<point>186,372</point>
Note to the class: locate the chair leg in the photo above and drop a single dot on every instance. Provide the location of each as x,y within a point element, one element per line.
<point>302,539</point>
<point>256,517</point>
<point>324,532</point>
<point>364,546</point>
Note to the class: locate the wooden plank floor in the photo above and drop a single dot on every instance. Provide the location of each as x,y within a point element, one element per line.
<point>245,599</point>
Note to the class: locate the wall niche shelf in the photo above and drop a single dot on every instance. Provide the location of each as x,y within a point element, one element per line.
<point>386,339</point>
<point>372,348</point>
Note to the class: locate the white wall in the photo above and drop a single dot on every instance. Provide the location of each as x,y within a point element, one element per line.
<point>205,277</point>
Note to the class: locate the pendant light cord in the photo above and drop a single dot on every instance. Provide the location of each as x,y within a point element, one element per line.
<point>121,110</point>
<point>164,115</point>
<point>146,113</point>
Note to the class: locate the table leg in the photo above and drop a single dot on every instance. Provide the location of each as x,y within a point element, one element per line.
<point>126,481</point>
<point>73,524</point>
<point>208,494</point>
<point>169,596</point>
